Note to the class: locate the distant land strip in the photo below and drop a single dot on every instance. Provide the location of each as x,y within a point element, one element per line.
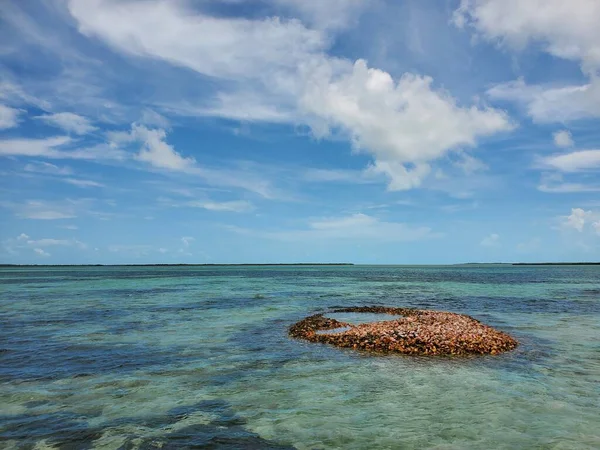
<point>558,264</point>
<point>175,265</point>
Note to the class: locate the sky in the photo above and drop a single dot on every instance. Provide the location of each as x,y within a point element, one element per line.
<point>280,131</point>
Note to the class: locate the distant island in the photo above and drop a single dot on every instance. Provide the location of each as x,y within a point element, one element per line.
<point>175,265</point>
<point>558,264</point>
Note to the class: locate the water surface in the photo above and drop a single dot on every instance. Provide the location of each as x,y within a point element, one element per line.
<point>175,357</point>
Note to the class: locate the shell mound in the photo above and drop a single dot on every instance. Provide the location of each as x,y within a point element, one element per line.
<point>418,332</point>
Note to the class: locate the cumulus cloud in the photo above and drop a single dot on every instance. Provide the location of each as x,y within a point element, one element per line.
<point>405,124</point>
<point>563,139</point>
<point>9,117</point>
<point>578,219</point>
<point>567,30</point>
<point>69,122</point>
<point>154,148</point>
<point>41,252</point>
<point>281,70</point>
<point>493,240</point>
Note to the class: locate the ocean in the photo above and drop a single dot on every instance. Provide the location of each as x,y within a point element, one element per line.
<point>199,357</point>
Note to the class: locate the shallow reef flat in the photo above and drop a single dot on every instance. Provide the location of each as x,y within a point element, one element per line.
<point>417,332</point>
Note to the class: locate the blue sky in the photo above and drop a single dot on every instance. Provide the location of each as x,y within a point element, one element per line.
<point>366,131</point>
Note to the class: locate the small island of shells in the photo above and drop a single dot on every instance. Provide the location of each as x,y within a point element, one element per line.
<point>407,331</point>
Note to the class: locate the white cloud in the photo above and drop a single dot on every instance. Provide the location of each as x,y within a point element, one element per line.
<point>339,176</point>
<point>551,103</point>
<point>33,147</point>
<point>231,206</point>
<point>358,227</point>
<point>47,168</point>
<point>155,150</point>
<point>554,183</point>
<point>151,118</point>
<point>56,242</point>
<point>469,165</point>
<point>210,205</point>
<point>281,71</point>
<point>493,240</point>
<point>14,93</point>
<point>82,183</point>
<point>24,242</point>
<point>187,240</point>
<point>574,161</point>
<point>404,124</point>
<point>70,122</point>
<point>9,117</point>
<point>566,30</point>
<point>596,227</point>
<point>33,209</point>
<point>563,139</point>
<point>49,210</point>
<point>41,252</point>
<point>566,188</point>
<point>237,48</point>
<point>53,147</point>
<point>579,219</point>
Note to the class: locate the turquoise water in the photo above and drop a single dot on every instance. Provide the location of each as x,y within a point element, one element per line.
<point>181,357</point>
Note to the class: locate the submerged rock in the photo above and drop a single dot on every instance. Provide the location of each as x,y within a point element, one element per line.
<point>418,332</point>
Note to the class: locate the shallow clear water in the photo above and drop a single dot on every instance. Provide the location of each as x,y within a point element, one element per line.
<point>175,357</point>
<point>360,318</point>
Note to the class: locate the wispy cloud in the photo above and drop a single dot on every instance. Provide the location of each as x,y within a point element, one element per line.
<point>55,210</point>
<point>492,240</point>
<point>69,122</point>
<point>47,168</point>
<point>583,160</point>
<point>24,243</point>
<point>359,227</point>
<point>9,117</point>
<point>83,183</point>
